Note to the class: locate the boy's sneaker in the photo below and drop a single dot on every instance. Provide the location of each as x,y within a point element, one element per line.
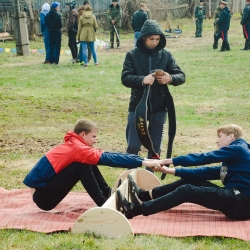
<point>81,63</point>
<point>123,206</point>
<point>85,65</point>
<point>133,190</point>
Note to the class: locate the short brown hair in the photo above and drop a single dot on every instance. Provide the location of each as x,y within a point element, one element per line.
<point>84,125</point>
<point>231,129</point>
<point>88,8</point>
<point>142,5</point>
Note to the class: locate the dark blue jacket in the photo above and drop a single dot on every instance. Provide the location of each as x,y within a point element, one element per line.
<point>53,20</point>
<point>234,172</point>
<point>224,20</point>
<point>245,20</point>
<point>139,17</point>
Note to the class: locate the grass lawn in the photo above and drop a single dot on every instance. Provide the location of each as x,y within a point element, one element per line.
<point>39,103</point>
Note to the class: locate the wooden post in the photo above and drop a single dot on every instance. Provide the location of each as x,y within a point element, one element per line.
<point>20,30</point>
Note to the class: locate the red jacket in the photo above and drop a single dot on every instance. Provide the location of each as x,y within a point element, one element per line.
<point>72,150</point>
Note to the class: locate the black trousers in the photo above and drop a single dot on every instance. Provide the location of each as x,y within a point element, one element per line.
<point>58,187</point>
<point>232,203</point>
<point>72,44</point>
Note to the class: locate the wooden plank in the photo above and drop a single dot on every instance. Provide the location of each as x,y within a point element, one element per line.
<point>103,221</point>
<point>111,202</point>
<point>147,180</point>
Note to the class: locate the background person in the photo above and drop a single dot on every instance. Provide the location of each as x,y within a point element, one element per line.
<point>54,22</point>
<point>138,19</point>
<point>149,55</point>
<point>223,23</point>
<point>86,35</point>
<point>72,26</point>
<point>45,32</point>
<point>233,199</point>
<point>198,20</point>
<point>114,18</point>
<point>56,173</point>
<point>86,4</point>
<point>245,22</point>
<point>216,27</point>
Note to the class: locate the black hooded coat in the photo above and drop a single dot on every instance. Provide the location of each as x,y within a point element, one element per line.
<point>141,61</point>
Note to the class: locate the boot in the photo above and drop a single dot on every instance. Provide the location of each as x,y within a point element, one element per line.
<point>246,45</point>
<point>223,46</point>
<point>215,45</point>
<point>111,45</point>
<point>118,45</point>
<point>227,46</point>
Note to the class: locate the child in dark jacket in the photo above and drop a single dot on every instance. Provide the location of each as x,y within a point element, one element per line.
<point>233,199</point>
<point>56,173</point>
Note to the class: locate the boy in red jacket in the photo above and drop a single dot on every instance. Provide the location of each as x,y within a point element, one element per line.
<point>56,173</point>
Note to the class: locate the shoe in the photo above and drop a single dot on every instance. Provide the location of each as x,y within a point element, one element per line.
<point>123,206</point>
<point>85,65</point>
<point>133,190</point>
<point>81,63</point>
<point>46,62</point>
<point>96,64</point>
<point>72,61</point>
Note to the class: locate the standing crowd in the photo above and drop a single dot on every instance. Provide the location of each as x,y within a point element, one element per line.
<point>81,28</point>
<point>222,18</point>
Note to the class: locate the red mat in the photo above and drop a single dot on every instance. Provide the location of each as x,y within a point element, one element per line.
<point>17,211</point>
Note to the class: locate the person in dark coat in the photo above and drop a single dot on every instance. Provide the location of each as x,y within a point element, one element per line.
<point>216,27</point>
<point>138,19</point>
<point>223,22</point>
<point>245,22</point>
<point>54,22</point>
<point>139,71</point>
<point>72,26</point>
<point>195,186</point>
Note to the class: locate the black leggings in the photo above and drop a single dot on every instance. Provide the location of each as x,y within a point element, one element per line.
<point>232,203</point>
<point>72,44</point>
<point>58,187</point>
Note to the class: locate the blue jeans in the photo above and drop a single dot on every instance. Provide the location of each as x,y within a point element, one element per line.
<point>156,123</point>
<point>46,45</point>
<point>232,203</point>
<point>84,51</point>
<point>136,35</point>
<point>55,38</point>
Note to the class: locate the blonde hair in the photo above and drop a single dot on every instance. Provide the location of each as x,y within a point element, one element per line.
<point>231,129</point>
<point>84,125</point>
<point>142,5</point>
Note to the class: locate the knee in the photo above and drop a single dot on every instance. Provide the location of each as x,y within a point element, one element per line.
<point>185,189</point>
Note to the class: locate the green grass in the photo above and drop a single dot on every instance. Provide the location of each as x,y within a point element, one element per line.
<point>39,103</point>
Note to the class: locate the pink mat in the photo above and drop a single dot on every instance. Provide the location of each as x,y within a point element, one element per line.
<point>17,211</point>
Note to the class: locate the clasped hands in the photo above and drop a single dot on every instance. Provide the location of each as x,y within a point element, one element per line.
<point>159,165</point>
<point>164,79</point>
